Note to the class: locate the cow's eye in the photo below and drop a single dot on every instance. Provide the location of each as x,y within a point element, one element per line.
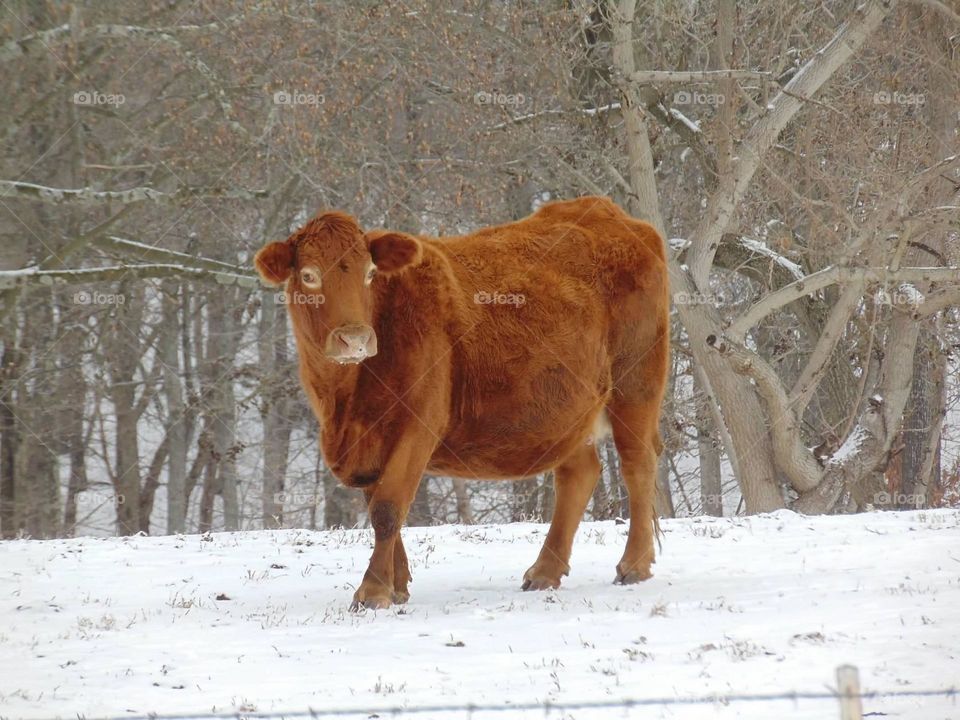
<point>371,273</point>
<point>309,277</point>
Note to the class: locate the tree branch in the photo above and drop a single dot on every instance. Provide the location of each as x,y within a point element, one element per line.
<point>671,76</point>
<point>806,83</point>
<point>793,459</point>
<point>33,276</point>
<point>940,8</point>
<point>89,196</point>
<point>830,276</point>
<point>142,252</point>
<point>819,359</point>
<point>879,421</point>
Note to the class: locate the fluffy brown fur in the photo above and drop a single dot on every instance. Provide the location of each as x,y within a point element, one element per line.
<point>496,355</point>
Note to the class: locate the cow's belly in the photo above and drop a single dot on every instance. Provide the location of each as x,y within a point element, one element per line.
<point>522,431</point>
<point>494,459</point>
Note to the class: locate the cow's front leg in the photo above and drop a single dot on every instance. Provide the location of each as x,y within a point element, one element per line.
<point>401,567</point>
<point>386,578</point>
<point>376,589</point>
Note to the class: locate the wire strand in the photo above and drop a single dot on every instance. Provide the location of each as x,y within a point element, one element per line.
<point>546,707</point>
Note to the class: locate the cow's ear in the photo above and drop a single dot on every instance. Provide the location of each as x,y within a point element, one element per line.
<point>393,251</point>
<point>274,262</point>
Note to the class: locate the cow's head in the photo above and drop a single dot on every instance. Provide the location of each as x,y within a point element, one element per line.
<point>331,268</point>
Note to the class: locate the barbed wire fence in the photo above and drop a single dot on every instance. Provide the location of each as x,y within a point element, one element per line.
<point>847,693</point>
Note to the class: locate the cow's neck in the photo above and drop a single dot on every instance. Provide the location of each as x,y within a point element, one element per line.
<point>333,385</point>
<point>332,382</point>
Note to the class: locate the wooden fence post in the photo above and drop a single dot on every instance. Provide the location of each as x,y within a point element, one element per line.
<point>848,689</point>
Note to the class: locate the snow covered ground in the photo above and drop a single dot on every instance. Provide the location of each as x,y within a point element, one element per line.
<point>258,621</point>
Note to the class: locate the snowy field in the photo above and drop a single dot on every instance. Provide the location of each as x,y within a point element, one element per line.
<point>258,621</point>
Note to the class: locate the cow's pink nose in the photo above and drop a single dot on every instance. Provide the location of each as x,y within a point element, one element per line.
<point>352,343</point>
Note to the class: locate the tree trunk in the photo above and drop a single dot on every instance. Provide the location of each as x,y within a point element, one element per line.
<point>548,496</point>
<point>464,512</point>
<point>520,492</point>
<point>226,439</point>
<point>123,359</point>
<point>867,445</point>
<point>711,489</point>
<point>151,482</point>
<point>619,500</point>
<point>223,339</point>
<point>601,497</point>
<point>736,410</point>
<point>176,421</point>
<point>755,470</point>
<point>127,464</point>
<point>420,514</point>
<point>924,419</point>
<point>663,499</point>
<point>339,503</point>
<point>9,436</point>
<point>37,489</point>
<point>272,349</point>
<point>208,496</point>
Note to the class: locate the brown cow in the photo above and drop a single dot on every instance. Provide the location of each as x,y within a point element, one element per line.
<point>494,355</point>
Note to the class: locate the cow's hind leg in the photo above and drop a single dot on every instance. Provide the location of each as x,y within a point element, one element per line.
<point>574,480</point>
<point>637,437</point>
<point>401,572</point>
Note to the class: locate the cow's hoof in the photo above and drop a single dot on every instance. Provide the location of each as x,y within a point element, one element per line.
<point>540,584</point>
<point>370,600</point>
<point>538,578</point>
<point>630,576</point>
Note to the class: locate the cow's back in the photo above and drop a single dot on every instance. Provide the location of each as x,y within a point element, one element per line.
<point>590,240</point>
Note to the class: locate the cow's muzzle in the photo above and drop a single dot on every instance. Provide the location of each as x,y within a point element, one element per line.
<point>351,343</point>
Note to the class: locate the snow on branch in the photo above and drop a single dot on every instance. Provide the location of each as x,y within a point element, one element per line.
<point>21,47</point>
<point>670,76</point>
<point>755,246</point>
<point>33,276</point>
<point>690,124</point>
<point>520,119</point>
<point>831,276</point>
<point>89,196</point>
<point>150,262</point>
<point>13,49</point>
<point>141,252</point>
